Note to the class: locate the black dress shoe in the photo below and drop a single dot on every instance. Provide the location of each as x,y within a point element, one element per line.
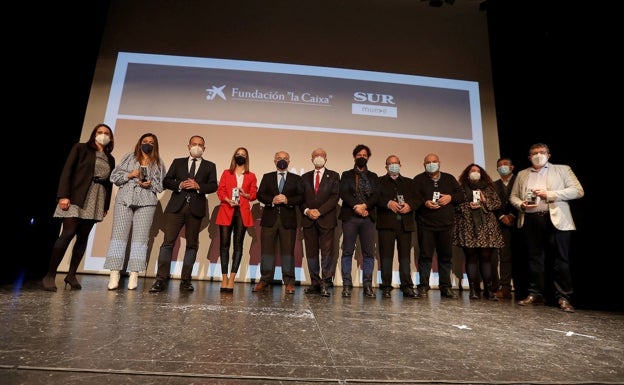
<point>157,287</point>
<point>312,290</point>
<point>410,293</point>
<point>386,293</point>
<point>422,291</point>
<point>346,291</point>
<point>448,293</point>
<point>368,292</point>
<point>186,285</point>
<point>324,291</point>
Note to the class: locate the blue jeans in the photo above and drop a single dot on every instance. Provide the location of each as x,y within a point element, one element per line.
<point>364,228</point>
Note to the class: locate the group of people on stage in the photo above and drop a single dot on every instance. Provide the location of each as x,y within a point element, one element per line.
<point>514,232</point>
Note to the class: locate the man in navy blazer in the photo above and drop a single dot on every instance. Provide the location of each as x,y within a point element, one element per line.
<point>190,178</point>
<point>359,190</point>
<point>319,221</point>
<point>280,193</point>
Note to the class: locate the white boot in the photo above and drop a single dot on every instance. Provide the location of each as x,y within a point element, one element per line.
<point>133,281</point>
<point>113,281</point>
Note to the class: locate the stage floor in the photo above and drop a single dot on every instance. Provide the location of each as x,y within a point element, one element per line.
<point>97,336</point>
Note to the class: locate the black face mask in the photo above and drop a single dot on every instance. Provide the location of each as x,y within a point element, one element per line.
<point>282,164</point>
<point>147,148</point>
<point>240,160</point>
<point>361,162</point>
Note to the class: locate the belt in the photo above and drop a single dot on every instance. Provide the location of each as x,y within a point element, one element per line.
<point>539,213</point>
<point>97,179</point>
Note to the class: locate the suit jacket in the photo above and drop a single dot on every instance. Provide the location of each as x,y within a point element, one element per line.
<point>77,176</point>
<point>226,212</point>
<point>206,177</point>
<point>562,185</point>
<point>349,199</point>
<point>325,199</point>
<point>287,212</point>
<point>503,193</point>
<point>388,190</point>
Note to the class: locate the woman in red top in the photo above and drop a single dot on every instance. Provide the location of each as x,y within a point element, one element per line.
<point>237,188</point>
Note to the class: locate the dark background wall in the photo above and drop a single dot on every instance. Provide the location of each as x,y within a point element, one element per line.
<point>540,64</point>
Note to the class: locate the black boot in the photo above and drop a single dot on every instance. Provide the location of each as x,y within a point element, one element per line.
<point>368,291</point>
<point>55,261</point>
<point>487,293</point>
<point>473,291</point>
<point>71,279</point>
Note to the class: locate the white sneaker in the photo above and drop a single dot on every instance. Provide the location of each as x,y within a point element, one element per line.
<point>133,281</point>
<point>113,282</point>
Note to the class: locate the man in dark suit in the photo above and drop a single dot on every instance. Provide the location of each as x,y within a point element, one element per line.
<point>507,263</point>
<point>395,225</point>
<point>321,193</point>
<point>280,193</point>
<point>190,179</point>
<point>359,191</point>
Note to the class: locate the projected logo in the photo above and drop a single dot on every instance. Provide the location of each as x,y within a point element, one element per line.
<point>366,103</point>
<point>214,92</point>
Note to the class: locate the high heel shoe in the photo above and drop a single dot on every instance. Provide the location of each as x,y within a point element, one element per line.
<point>48,283</point>
<point>133,281</point>
<point>72,281</point>
<point>113,282</point>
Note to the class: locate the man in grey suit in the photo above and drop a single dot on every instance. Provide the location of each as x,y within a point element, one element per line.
<point>541,194</point>
<point>321,193</point>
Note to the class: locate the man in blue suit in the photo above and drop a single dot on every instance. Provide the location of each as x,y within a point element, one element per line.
<point>280,193</point>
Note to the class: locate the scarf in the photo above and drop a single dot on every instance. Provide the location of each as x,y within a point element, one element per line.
<point>363,185</point>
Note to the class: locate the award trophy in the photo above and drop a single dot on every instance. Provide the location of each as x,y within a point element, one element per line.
<point>143,173</point>
<point>236,195</point>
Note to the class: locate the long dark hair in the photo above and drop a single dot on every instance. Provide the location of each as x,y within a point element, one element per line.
<point>154,155</point>
<point>233,161</point>
<point>464,178</point>
<point>91,142</point>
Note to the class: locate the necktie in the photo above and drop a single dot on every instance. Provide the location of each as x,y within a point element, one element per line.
<point>317,181</point>
<point>192,172</point>
<point>281,182</point>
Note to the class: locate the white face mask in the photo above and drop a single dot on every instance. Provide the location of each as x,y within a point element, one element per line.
<point>196,151</point>
<point>475,175</point>
<point>102,139</point>
<point>319,161</point>
<point>539,159</point>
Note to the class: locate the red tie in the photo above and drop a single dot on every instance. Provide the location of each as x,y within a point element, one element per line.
<point>317,181</point>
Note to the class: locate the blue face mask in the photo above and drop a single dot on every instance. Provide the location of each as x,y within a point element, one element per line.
<point>503,170</point>
<point>394,168</point>
<point>147,148</point>
<point>432,167</point>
